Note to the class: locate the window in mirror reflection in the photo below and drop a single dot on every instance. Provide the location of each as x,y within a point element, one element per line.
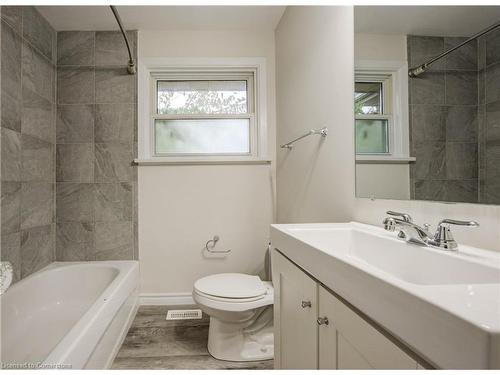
<point>371,136</point>
<point>368,98</point>
<point>372,116</point>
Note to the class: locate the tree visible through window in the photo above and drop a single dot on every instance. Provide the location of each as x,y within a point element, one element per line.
<point>202,97</point>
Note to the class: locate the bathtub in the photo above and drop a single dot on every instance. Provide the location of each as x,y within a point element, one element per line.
<point>68,315</point>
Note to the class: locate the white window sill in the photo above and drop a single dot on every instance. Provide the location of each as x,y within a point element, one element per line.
<point>190,161</point>
<point>374,159</point>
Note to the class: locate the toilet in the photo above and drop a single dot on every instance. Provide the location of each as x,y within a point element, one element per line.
<point>240,307</point>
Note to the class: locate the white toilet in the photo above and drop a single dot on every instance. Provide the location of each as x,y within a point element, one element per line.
<point>240,307</point>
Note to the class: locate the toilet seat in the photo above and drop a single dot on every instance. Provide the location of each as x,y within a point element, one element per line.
<point>233,292</point>
<point>231,285</point>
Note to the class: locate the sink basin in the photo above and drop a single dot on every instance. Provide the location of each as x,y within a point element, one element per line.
<point>445,306</point>
<point>408,262</point>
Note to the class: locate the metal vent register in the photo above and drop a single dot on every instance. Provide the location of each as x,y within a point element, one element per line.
<point>184,314</point>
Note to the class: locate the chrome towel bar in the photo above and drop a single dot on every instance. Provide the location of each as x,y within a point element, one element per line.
<point>323,132</point>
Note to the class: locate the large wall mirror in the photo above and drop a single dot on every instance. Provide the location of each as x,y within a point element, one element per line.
<point>433,134</point>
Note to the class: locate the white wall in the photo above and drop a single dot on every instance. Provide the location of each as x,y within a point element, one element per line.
<point>382,180</point>
<point>182,207</point>
<point>314,75</point>
<point>379,47</point>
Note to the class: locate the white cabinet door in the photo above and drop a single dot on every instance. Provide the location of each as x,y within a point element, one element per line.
<point>355,342</point>
<point>296,331</point>
<point>349,358</point>
<point>328,341</point>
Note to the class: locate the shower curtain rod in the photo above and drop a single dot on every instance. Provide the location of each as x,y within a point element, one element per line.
<point>131,63</point>
<point>416,71</point>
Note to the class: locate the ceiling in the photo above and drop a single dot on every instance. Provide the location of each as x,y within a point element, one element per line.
<point>164,17</point>
<point>424,20</point>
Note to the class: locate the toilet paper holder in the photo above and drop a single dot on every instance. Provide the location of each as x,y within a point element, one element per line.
<point>210,245</point>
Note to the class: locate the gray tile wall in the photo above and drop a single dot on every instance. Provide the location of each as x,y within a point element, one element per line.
<point>489,117</point>
<point>28,127</point>
<point>96,143</point>
<point>444,121</point>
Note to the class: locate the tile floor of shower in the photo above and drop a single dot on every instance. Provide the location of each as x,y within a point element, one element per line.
<point>153,342</point>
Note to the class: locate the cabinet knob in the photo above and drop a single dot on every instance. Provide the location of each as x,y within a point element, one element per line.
<point>323,320</point>
<point>306,304</point>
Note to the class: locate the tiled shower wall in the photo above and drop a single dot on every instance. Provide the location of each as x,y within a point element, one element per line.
<point>444,121</point>
<point>96,185</point>
<point>489,117</point>
<point>28,136</point>
<point>68,138</point>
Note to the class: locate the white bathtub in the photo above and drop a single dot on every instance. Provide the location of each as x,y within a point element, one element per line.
<point>68,315</point>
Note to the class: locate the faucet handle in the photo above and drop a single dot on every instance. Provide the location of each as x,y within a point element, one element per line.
<point>389,224</point>
<point>448,222</point>
<point>405,217</point>
<point>443,237</point>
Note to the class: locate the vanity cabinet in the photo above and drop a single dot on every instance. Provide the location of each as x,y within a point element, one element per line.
<point>316,330</point>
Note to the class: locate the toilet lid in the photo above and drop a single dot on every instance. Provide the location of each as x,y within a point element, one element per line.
<point>231,285</point>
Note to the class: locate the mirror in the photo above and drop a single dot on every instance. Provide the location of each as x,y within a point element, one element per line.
<point>435,135</point>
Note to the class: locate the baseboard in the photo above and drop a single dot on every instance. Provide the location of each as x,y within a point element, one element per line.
<point>166,299</point>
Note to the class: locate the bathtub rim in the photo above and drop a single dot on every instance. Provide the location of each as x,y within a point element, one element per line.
<point>55,266</point>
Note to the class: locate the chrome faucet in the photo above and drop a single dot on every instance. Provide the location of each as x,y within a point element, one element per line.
<point>407,218</point>
<point>412,233</point>
<point>443,239</point>
<point>408,231</point>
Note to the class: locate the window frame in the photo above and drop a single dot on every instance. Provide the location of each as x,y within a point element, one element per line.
<point>399,137</point>
<point>378,78</point>
<point>156,69</point>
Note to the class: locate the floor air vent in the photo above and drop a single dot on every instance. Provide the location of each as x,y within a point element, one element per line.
<point>184,314</point>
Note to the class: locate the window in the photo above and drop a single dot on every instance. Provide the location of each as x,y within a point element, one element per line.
<point>202,111</point>
<point>381,111</point>
<point>204,114</point>
<point>373,120</point>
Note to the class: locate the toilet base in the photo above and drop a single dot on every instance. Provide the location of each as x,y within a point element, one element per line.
<point>238,342</point>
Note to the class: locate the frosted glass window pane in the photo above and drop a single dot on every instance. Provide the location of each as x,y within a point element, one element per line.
<point>372,136</point>
<point>204,136</point>
<point>202,97</point>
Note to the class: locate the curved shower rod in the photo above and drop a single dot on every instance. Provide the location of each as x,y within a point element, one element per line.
<point>131,68</point>
<point>416,71</point>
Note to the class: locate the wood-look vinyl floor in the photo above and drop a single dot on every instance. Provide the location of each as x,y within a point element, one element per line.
<point>156,343</point>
